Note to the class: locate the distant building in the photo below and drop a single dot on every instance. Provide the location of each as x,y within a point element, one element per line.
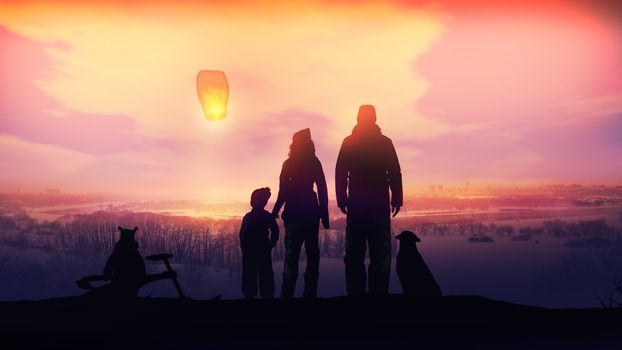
<point>432,189</point>
<point>439,188</point>
<point>52,191</point>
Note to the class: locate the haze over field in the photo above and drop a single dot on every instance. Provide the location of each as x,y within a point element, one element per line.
<point>101,98</point>
<point>549,246</point>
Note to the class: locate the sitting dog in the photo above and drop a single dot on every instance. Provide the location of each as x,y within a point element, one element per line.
<point>414,274</point>
<point>125,267</point>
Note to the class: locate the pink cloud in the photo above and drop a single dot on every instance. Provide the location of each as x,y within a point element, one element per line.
<point>541,92</point>
<point>27,112</point>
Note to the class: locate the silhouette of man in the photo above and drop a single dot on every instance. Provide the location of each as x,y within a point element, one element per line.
<point>367,167</point>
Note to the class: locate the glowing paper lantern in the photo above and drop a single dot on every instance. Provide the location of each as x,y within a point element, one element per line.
<point>213,93</point>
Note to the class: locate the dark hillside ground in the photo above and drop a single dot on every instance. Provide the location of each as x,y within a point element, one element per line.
<point>336,323</point>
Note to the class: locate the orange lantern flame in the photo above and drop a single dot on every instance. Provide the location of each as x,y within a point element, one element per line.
<point>213,93</point>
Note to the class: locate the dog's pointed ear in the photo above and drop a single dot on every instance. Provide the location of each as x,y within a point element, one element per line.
<point>135,228</point>
<point>408,235</point>
<point>120,228</point>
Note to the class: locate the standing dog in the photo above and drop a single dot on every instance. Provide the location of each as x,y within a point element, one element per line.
<point>414,274</point>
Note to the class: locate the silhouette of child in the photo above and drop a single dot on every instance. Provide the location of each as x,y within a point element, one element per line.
<point>258,235</point>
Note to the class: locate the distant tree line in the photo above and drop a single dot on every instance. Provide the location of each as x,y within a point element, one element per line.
<point>214,242</point>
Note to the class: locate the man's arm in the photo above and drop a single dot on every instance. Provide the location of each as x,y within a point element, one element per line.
<point>341,178</point>
<point>394,173</point>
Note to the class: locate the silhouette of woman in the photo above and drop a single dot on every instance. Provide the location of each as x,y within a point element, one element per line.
<point>303,211</point>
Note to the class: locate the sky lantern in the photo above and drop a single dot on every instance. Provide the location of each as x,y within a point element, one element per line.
<point>213,93</point>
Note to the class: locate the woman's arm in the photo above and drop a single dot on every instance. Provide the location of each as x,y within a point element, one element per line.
<point>274,231</point>
<point>322,192</point>
<point>280,199</point>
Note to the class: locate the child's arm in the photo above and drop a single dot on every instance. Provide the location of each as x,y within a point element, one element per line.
<point>243,232</point>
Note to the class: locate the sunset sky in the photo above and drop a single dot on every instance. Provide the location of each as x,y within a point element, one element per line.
<point>102,97</point>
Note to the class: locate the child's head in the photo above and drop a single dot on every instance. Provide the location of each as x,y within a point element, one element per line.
<point>259,197</point>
